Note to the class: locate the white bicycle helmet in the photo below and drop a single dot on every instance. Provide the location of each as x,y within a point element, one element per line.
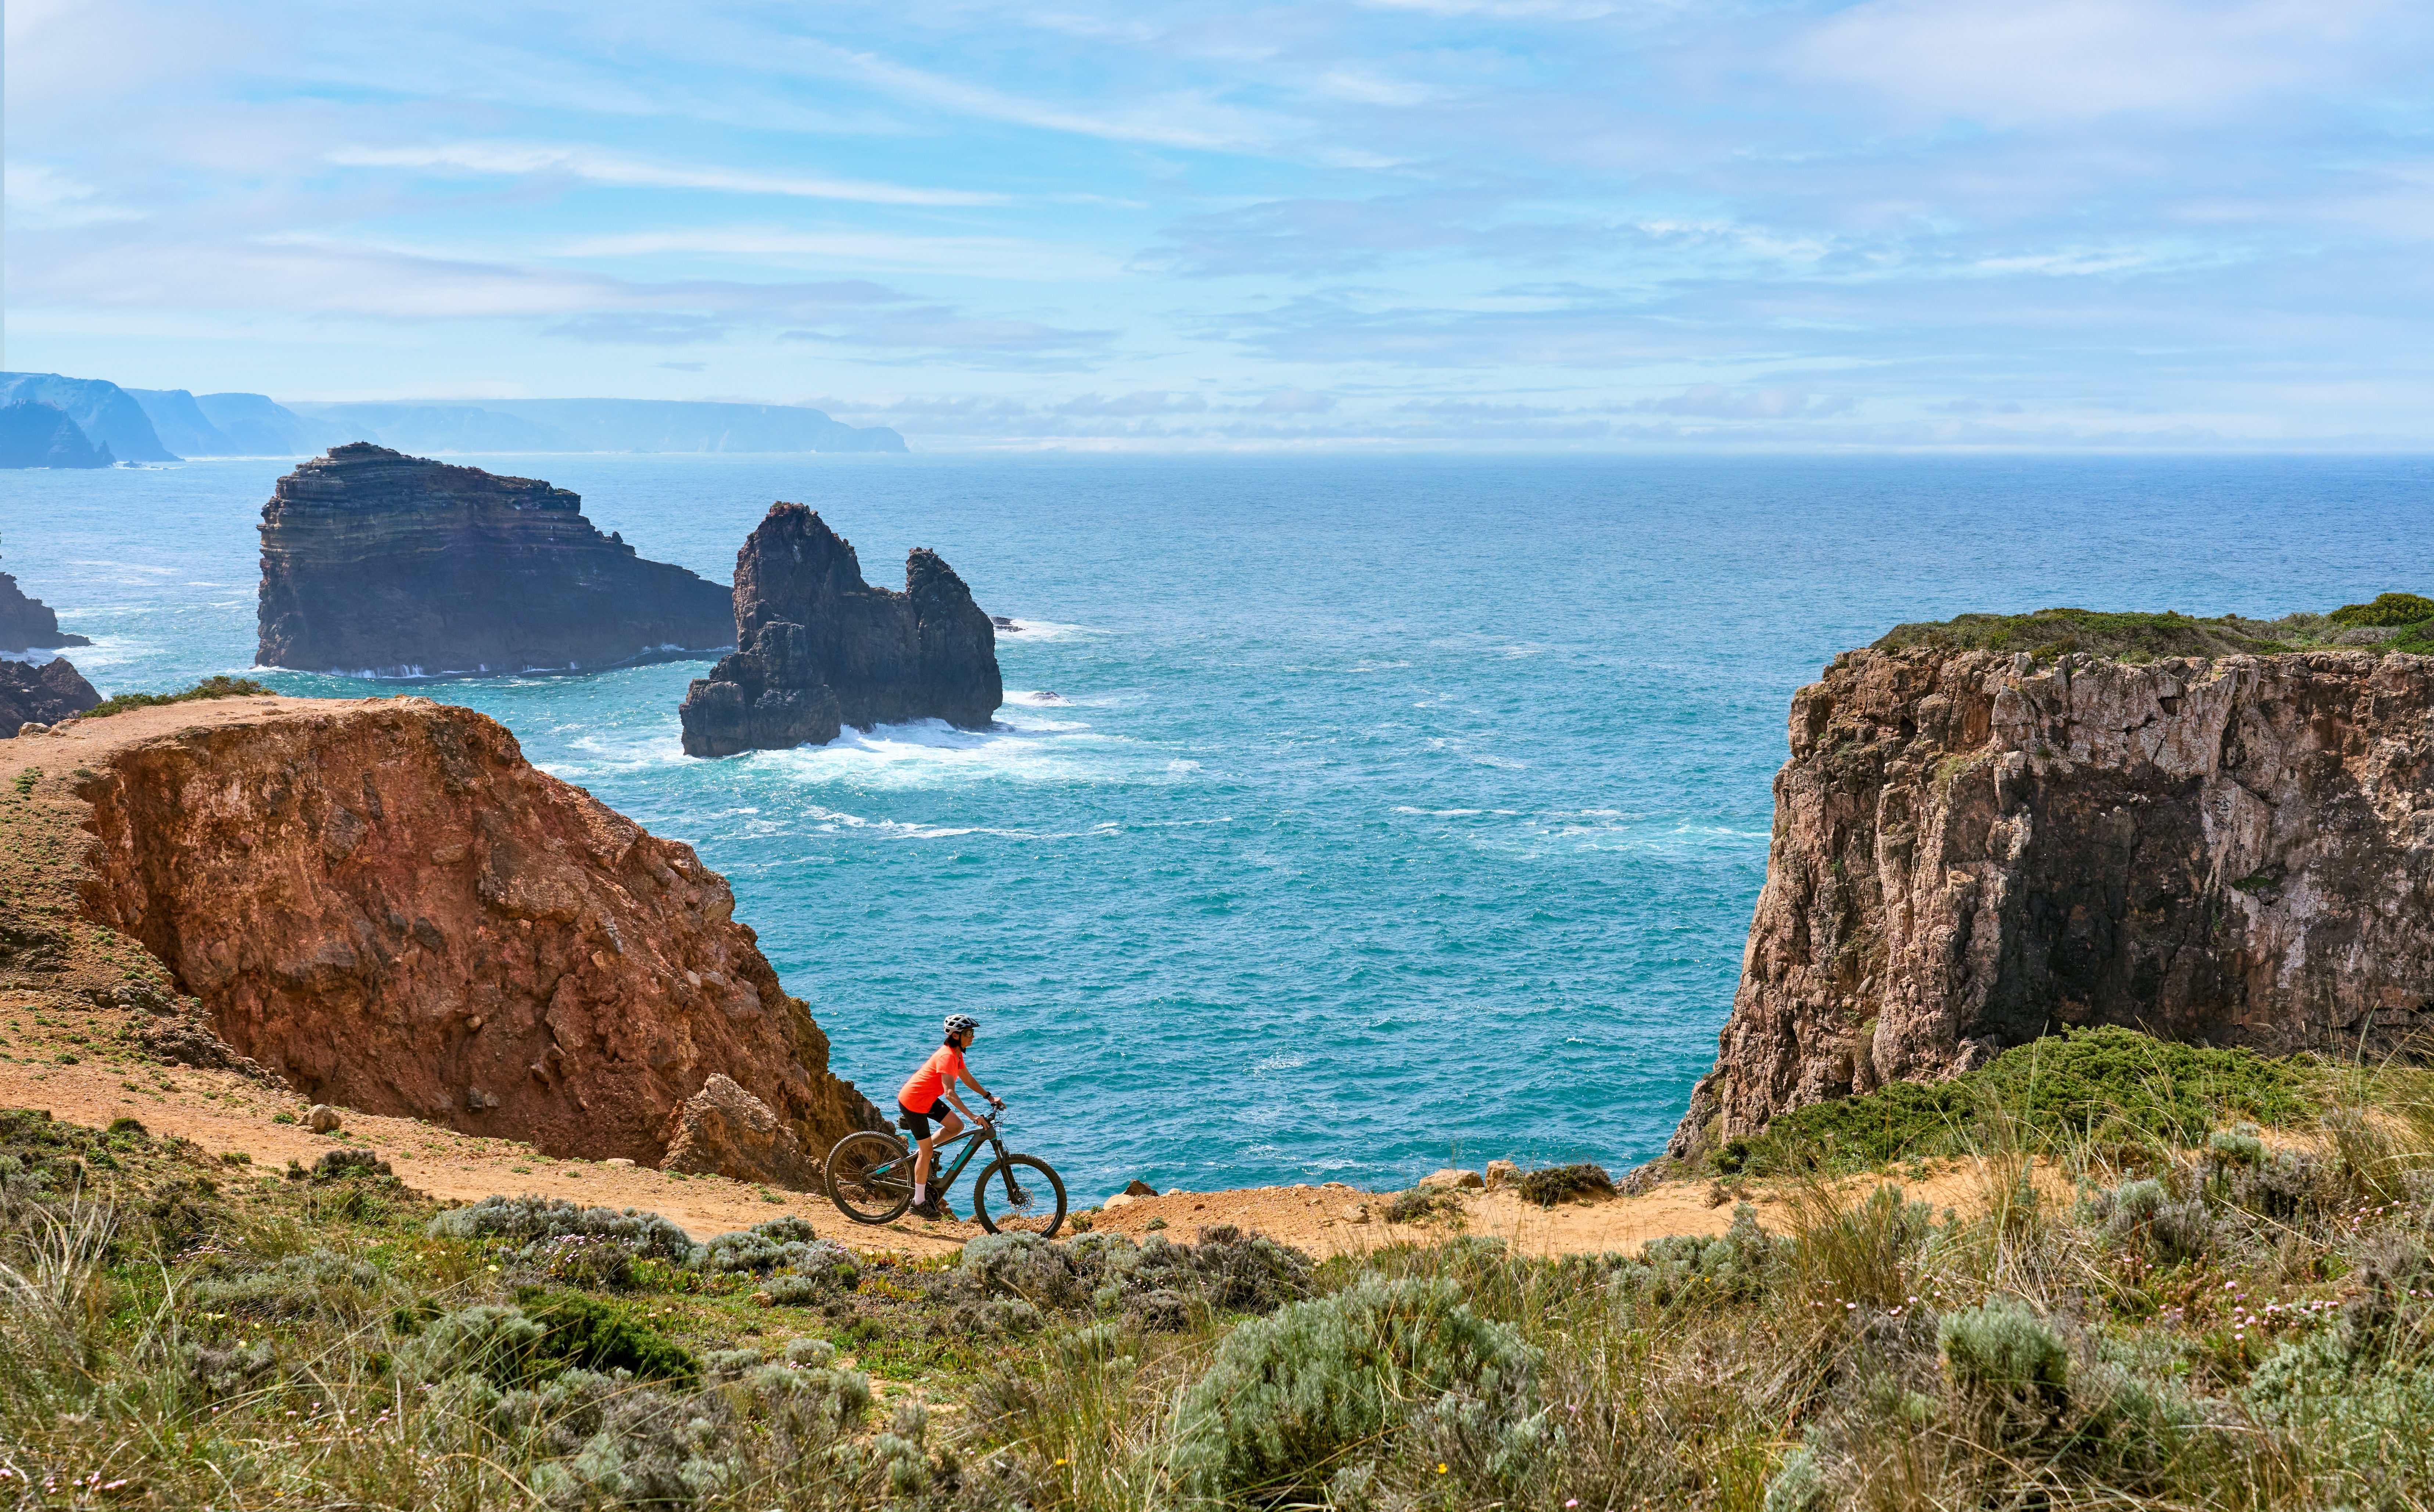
<point>957,1023</point>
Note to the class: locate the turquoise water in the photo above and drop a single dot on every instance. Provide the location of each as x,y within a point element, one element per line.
<point>1383,812</point>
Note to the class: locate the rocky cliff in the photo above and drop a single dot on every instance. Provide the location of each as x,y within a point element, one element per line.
<point>42,436</point>
<point>32,695</point>
<point>29,624</point>
<point>819,649</point>
<point>383,903</point>
<point>1974,849</point>
<point>375,562</point>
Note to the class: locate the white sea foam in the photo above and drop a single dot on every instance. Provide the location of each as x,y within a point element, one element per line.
<point>1028,631</point>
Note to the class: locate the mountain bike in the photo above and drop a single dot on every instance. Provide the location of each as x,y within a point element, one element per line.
<point>870,1180</point>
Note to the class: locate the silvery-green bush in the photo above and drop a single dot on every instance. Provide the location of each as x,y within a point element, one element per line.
<point>1293,1398</point>
<point>528,1220</point>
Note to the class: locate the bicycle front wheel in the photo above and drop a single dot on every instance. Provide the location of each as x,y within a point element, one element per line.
<point>870,1177</point>
<point>1030,1198</point>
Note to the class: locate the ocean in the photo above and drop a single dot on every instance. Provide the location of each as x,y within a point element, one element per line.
<point>1345,819</point>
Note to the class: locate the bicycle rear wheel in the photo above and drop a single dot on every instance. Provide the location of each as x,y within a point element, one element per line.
<point>870,1177</point>
<point>1030,1196</point>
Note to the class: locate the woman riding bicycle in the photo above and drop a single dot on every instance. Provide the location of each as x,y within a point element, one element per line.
<point>925,1097</point>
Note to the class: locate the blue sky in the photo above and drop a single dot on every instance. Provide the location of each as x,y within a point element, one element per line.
<point>1546,224</point>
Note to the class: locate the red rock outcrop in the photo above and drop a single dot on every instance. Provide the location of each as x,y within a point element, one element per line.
<point>383,903</point>
<point>1972,850</point>
<point>819,649</point>
<point>374,562</point>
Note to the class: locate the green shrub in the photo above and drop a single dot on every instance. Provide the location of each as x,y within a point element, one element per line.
<point>2142,1216</point>
<point>1736,1266</point>
<point>584,1262</point>
<point>318,1285</point>
<point>2388,609</point>
<point>779,1244</point>
<point>530,1219</point>
<point>596,1336</point>
<point>1798,1485</point>
<point>217,686</point>
<point>509,1346</point>
<point>1293,1398</point>
<point>1565,1184</point>
<point>1161,1284</point>
<point>2002,1352</point>
<point>1421,1204</point>
<point>2125,636</point>
<point>339,1164</point>
<point>2104,1080</point>
<point>495,1343</point>
<point>1869,1253</point>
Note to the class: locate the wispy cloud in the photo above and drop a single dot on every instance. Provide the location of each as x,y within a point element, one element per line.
<point>1344,222</point>
<point>519,159</point>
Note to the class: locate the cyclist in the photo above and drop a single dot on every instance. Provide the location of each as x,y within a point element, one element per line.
<point>925,1097</point>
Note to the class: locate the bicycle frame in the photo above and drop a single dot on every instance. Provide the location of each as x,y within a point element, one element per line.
<point>985,1130</point>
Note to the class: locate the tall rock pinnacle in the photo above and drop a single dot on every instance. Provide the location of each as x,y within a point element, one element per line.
<point>819,649</point>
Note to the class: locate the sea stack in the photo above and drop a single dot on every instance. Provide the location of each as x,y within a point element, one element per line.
<point>819,649</point>
<point>29,624</point>
<point>375,563</point>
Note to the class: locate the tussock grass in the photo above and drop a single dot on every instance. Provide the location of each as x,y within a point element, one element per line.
<point>2199,1317</point>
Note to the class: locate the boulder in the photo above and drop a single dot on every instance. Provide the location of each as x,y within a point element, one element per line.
<point>1501,1174</point>
<point>1137,1187</point>
<point>1469,1180</point>
<point>323,1119</point>
<point>725,1131</point>
<point>42,695</point>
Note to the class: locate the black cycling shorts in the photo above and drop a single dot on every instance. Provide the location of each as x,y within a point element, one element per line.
<point>920,1122</point>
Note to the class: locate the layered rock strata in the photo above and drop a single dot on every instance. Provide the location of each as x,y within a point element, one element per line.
<point>43,694</point>
<point>377,563</point>
<point>1975,849</point>
<point>383,903</point>
<point>819,649</point>
<point>27,623</point>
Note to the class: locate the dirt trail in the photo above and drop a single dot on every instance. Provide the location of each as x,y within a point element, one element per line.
<point>225,1113</point>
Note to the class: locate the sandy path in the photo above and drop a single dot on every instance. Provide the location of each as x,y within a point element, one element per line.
<point>223,1113</point>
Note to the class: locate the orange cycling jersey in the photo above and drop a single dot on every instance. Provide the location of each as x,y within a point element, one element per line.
<point>930,1082</point>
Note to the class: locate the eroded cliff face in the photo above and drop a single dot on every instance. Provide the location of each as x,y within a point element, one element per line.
<point>375,562</point>
<point>1974,850</point>
<point>382,902</point>
<point>819,649</point>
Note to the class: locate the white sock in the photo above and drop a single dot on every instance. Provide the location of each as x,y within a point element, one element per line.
<point>920,1193</point>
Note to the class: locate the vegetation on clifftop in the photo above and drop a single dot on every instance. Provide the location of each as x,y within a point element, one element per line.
<point>219,684</point>
<point>2393,621</point>
<point>2152,1310</point>
<point>2111,1085</point>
